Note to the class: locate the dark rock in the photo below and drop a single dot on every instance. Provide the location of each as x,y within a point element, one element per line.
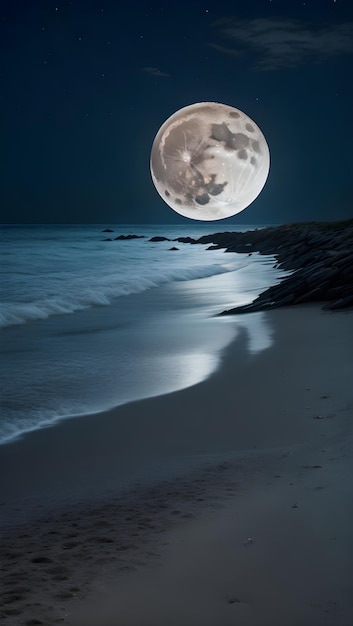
<point>321,275</point>
<point>107,230</point>
<point>107,239</point>
<point>320,253</point>
<point>173,248</point>
<point>341,291</point>
<point>310,296</point>
<point>343,303</point>
<point>347,272</point>
<point>286,300</point>
<point>344,261</point>
<point>187,240</point>
<point>159,239</point>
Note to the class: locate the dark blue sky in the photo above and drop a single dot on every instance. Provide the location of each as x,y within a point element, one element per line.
<point>86,84</point>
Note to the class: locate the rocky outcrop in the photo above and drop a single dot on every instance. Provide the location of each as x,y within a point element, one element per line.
<point>107,230</point>
<point>186,240</point>
<point>319,253</point>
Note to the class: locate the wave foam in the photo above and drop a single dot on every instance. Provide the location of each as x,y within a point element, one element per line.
<point>80,298</point>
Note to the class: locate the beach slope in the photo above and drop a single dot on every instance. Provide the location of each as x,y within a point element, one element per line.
<point>246,477</point>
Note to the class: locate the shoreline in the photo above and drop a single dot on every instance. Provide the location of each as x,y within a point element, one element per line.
<point>274,413</point>
<point>319,253</point>
<point>176,324</point>
<point>319,256</point>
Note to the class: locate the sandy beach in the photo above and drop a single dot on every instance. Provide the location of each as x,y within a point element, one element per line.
<point>226,503</point>
<point>176,313</point>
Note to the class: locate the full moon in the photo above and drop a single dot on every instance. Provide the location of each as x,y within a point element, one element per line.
<point>209,161</point>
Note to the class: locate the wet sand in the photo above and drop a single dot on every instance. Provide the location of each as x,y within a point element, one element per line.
<point>227,502</point>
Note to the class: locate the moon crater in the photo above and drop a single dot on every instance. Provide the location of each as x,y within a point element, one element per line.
<point>242,154</point>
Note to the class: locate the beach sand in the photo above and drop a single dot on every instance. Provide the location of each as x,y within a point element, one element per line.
<point>226,503</point>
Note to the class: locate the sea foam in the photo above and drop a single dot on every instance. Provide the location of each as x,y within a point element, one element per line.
<point>79,297</point>
<point>114,346</point>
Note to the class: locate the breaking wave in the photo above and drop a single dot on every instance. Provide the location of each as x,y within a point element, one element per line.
<point>78,297</point>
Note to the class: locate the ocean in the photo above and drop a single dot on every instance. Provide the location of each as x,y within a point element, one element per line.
<point>88,324</point>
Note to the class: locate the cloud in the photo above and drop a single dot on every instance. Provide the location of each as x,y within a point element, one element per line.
<point>279,42</point>
<point>154,71</point>
<point>230,51</point>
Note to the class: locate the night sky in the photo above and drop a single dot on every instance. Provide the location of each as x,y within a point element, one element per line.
<point>86,84</point>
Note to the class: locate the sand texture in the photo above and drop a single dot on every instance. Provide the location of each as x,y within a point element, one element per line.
<point>226,503</point>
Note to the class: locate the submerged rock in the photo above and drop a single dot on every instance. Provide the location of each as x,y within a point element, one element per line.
<point>158,238</point>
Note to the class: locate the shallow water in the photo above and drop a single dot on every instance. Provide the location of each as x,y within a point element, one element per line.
<point>160,337</point>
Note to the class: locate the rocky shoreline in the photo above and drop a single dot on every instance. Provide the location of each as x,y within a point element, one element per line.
<point>320,253</point>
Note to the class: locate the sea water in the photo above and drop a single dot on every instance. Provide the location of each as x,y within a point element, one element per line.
<point>87,324</point>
